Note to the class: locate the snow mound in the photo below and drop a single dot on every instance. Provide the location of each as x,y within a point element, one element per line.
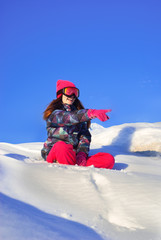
<point>133,137</point>
<point>96,126</point>
<point>51,201</point>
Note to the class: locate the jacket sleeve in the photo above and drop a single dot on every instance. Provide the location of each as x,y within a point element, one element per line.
<point>84,139</point>
<point>61,118</point>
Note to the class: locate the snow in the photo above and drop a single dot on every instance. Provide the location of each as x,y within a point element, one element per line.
<point>50,201</point>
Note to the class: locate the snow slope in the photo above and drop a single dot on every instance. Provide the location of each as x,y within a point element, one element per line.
<point>50,201</point>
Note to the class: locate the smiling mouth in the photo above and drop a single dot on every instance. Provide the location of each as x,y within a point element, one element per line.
<point>70,99</point>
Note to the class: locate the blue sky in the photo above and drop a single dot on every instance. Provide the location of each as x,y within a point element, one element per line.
<point>111,50</point>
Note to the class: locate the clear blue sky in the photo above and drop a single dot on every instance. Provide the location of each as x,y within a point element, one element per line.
<point>110,49</point>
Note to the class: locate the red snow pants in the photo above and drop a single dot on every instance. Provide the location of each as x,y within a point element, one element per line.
<point>64,154</point>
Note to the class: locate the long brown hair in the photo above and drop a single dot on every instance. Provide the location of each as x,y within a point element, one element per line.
<point>57,104</point>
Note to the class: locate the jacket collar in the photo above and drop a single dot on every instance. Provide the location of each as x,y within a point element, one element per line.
<point>69,108</point>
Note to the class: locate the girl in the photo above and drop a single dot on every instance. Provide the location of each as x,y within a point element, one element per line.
<point>68,122</point>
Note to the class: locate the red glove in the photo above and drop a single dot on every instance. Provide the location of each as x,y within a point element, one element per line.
<point>81,159</point>
<point>100,114</point>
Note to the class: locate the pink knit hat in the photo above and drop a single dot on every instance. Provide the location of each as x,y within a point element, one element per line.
<point>62,84</point>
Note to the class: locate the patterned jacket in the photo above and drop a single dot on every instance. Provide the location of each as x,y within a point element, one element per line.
<point>68,125</point>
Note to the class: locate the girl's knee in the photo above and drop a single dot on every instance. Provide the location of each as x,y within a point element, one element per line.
<point>59,144</point>
<point>62,145</point>
<point>101,160</point>
<point>110,161</point>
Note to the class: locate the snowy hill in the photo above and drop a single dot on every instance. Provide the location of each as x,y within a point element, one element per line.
<point>133,137</point>
<point>49,201</point>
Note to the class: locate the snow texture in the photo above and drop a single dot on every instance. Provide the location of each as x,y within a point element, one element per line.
<point>50,201</point>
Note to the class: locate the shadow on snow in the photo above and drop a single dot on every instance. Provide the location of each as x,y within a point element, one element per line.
<point>23,221</point>
<point>16,156</point>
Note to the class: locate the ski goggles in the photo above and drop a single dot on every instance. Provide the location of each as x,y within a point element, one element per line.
<point>69,91</point>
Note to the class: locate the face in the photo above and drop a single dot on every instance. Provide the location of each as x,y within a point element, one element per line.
<point>68,100</point>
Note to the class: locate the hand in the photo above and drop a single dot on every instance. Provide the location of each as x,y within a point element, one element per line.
<point>100,114</point>
<point>81,159</point>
